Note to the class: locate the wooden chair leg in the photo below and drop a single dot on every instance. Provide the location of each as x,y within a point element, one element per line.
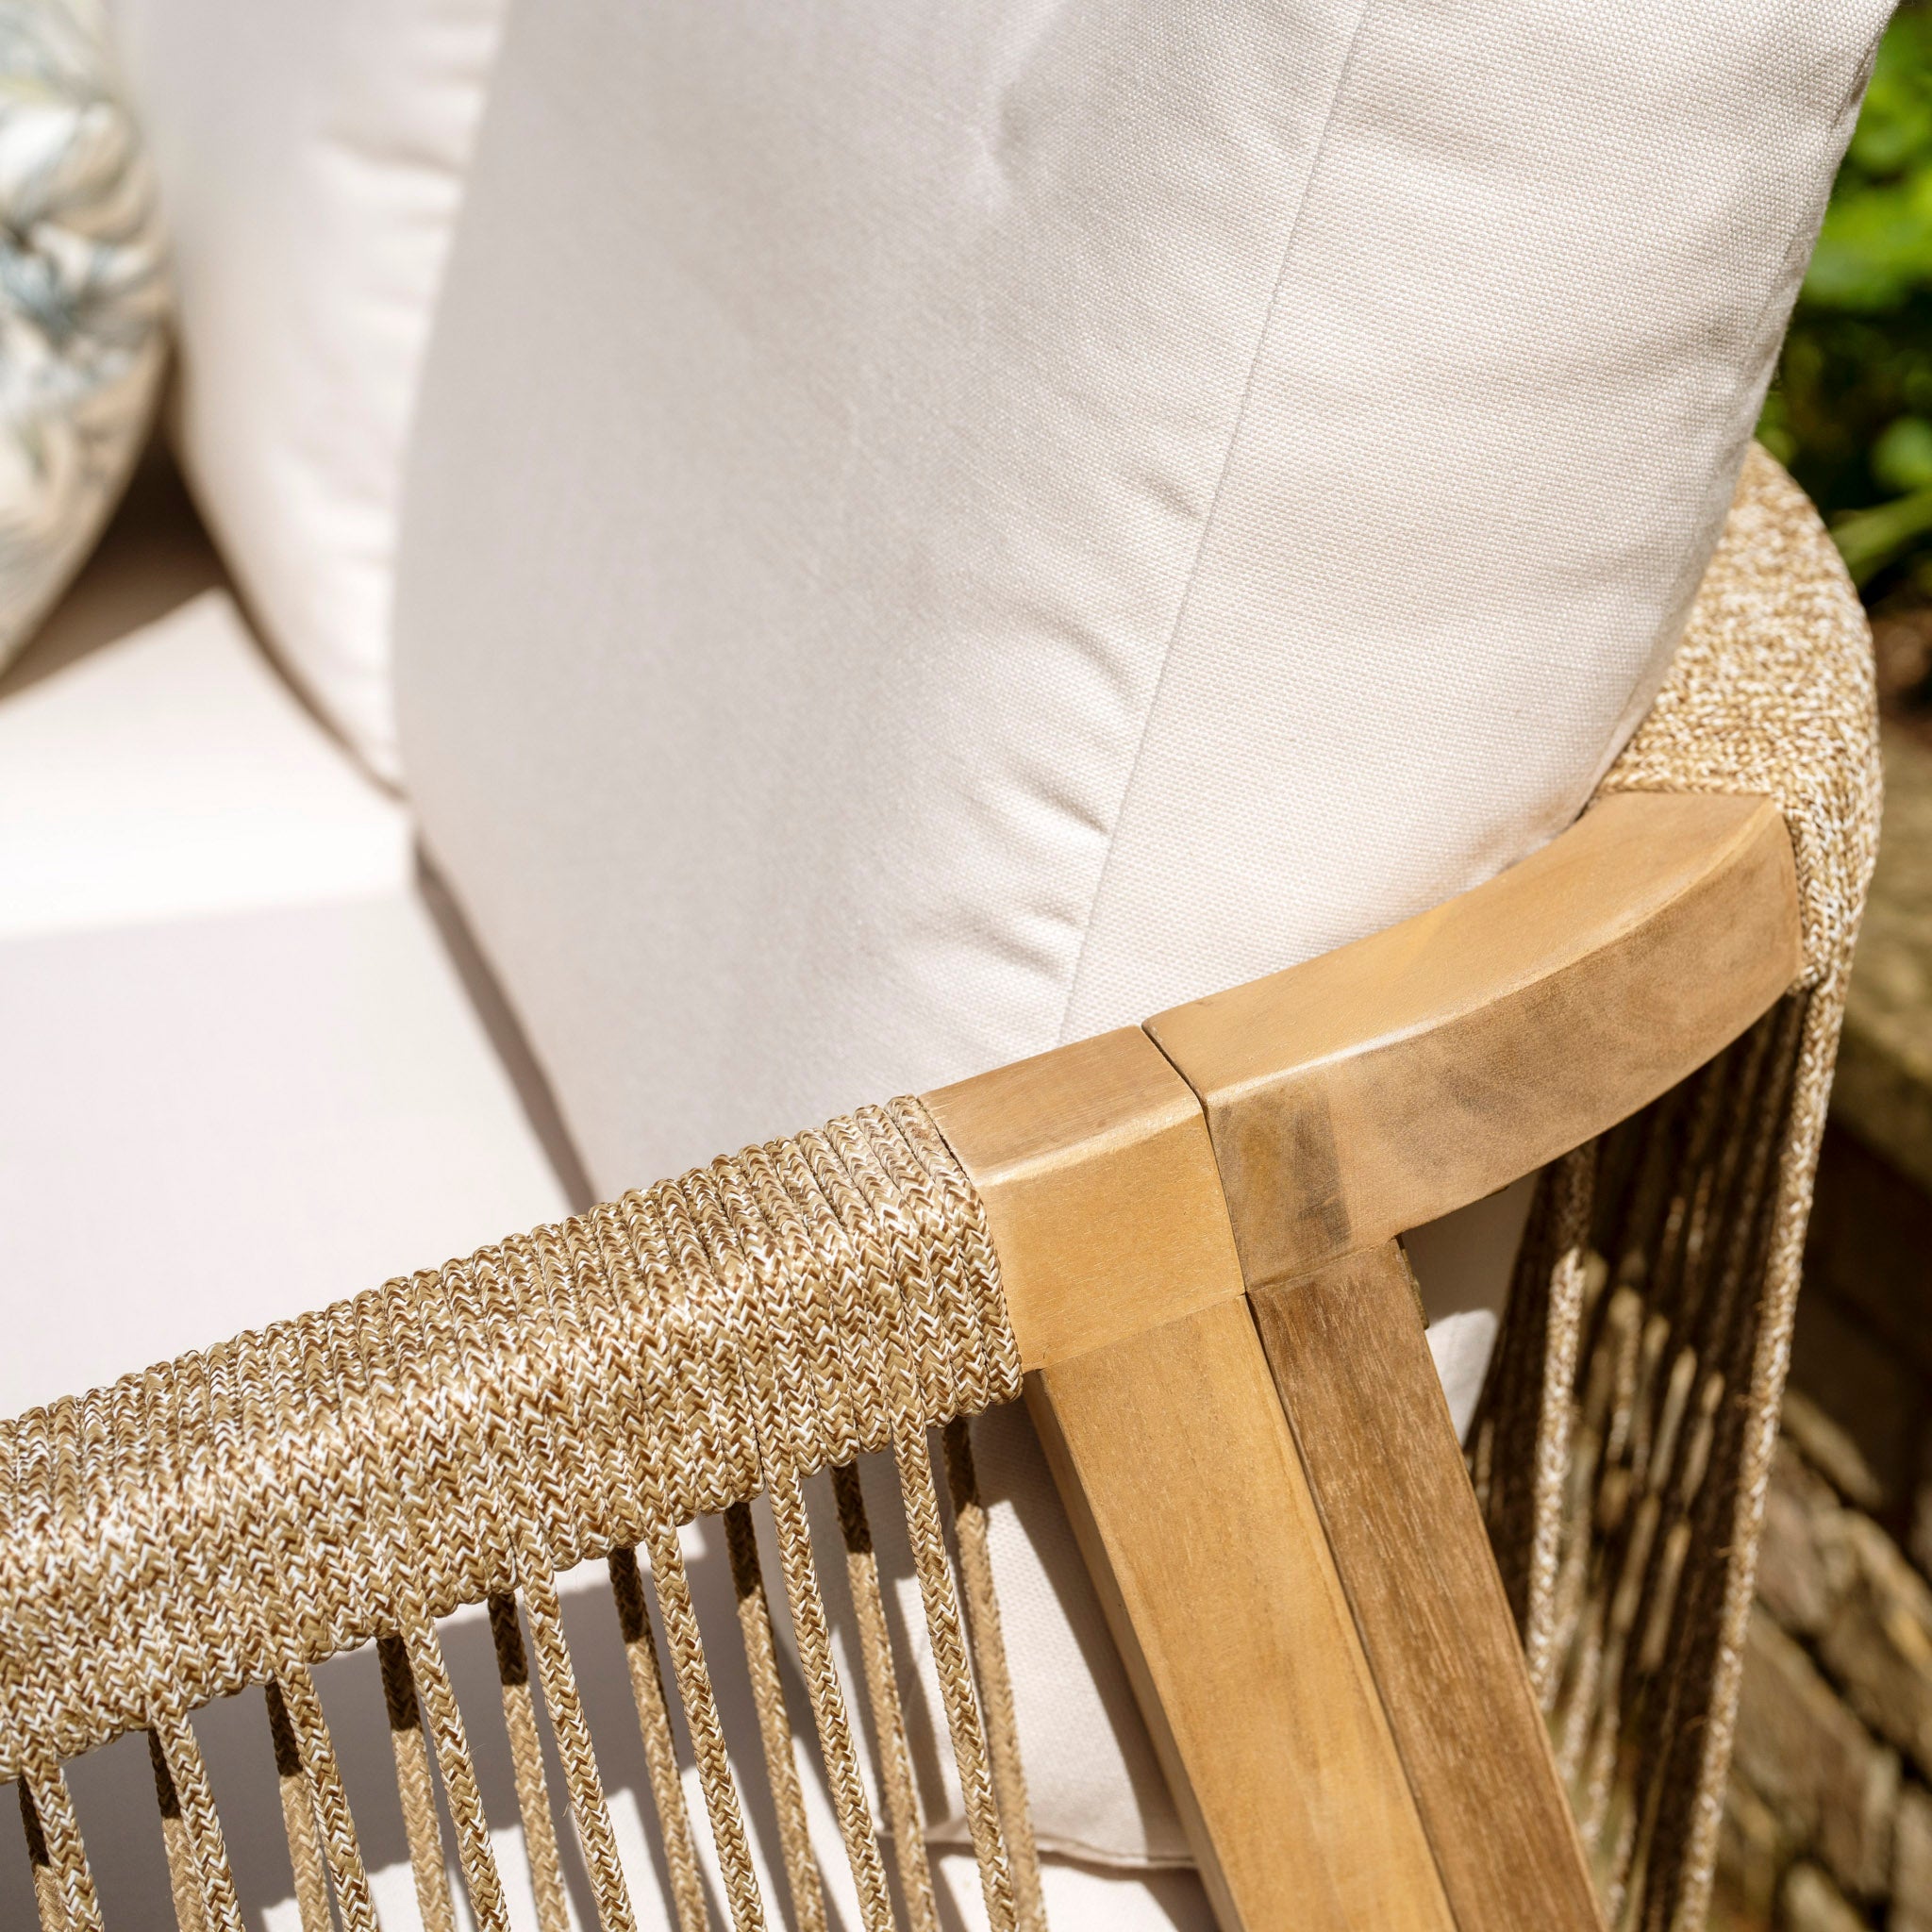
<point>1188,1496</point>
<point>1307,1607</point>
<point>1348,1355</point>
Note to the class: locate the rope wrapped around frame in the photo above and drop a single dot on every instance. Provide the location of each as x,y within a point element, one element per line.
<point>461,1437</point>
<point>1623,1449</point>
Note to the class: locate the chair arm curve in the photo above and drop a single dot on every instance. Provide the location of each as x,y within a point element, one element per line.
<point>1371,1090</point>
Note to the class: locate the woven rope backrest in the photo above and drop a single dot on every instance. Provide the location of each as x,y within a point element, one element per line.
<point>461,1437</point>
<point>1625,1441</point>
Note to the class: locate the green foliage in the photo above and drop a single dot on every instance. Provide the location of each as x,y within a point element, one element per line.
<point>1851,412</point>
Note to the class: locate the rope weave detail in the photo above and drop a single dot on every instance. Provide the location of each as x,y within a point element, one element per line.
<point>1624,1446</point>
<point>461,1437</point>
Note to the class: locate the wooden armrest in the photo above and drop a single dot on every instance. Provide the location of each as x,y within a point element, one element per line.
<point>1384,1084</point>
<point>1278,1521</point>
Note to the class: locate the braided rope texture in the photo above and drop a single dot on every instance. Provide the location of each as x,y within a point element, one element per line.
<point>1624,1442</point>
<point>1771,692</point>
<point>461,1437</point>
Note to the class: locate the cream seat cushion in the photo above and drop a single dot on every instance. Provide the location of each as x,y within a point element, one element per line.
<point>933,532</point>
<point>243,1074</point>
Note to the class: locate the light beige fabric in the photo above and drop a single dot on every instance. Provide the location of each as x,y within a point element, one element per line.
<point>222,999</point>
<point>934,533</point>
<point>310,156</point>
<point>173,773</point>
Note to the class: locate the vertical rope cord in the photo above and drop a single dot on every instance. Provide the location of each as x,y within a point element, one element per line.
<point>882,1690</point>
<point>1563,1336</point>
<point>1761,1354</point>
<point>292,1377</point>
<point>578,1313</point>
<point>870,1163</point>
<point>167,1721</point>
<point>478,1297</point>
<point>917,1160</point>
<point>748,1585</point>
<point>661,1749</point>
<point>989,1652</point>
<point>64,1886</point>
<point>298,1816</point>
<point>855,1211</point>
<point>409,1749</point>
<point>174,1399</point>
<point>184,1873</point>
<point>525,1456</point>
<point>627,1243</point>
<point>1633,1722</point>
<point>50,1491</point>
<point>252,1550</point>
<point>1720,1184</point>
<point>526,1767</point>
<point>749,1204</point>
<point>496,1477</point>
<point>1627,1672</point>
<point>341,1849</point>
<point>175,1744</point>
<point>624,1231</point>
<point>800,1864</point>
<point>367,1387</point>
<point>63,1882</point>
<point>1684,1203</point>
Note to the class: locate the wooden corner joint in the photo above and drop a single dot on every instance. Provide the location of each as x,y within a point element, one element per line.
<point>1322,1110</point>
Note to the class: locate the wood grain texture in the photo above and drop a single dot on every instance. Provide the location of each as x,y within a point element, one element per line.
<point>1350,1359</point>
<point>1099,1188</point>
<point>1383,1084</point>
<point>1188,1496</point>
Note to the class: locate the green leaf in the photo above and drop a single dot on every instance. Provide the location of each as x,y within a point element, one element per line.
<point>1894,131</point>
<point>1903,456</point>
<point>1875,246</point>
<point>1869,539</point>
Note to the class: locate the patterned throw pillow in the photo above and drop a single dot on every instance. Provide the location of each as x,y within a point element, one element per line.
<point>83,300</point>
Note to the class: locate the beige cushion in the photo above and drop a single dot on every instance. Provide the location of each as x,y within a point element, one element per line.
<point>172,775</point>
<point>239,1057</point>
<point>933,532</point>
<point>310,156</point>
<point>932,535</point>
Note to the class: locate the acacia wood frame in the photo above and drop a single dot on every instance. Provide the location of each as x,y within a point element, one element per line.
<point>1197,1225</point>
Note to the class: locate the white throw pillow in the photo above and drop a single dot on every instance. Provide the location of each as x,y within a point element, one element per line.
<point>937,531</point>
<point>83,301</point>
<point>311,157</point>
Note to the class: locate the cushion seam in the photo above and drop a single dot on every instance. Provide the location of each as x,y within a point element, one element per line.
<point>1207,521</point>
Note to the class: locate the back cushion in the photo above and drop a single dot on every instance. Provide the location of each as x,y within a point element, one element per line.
<point>934,531</point>
<point>311,157</point>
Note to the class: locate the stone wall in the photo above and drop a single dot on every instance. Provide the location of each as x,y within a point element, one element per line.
<point>1828,1824</point>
